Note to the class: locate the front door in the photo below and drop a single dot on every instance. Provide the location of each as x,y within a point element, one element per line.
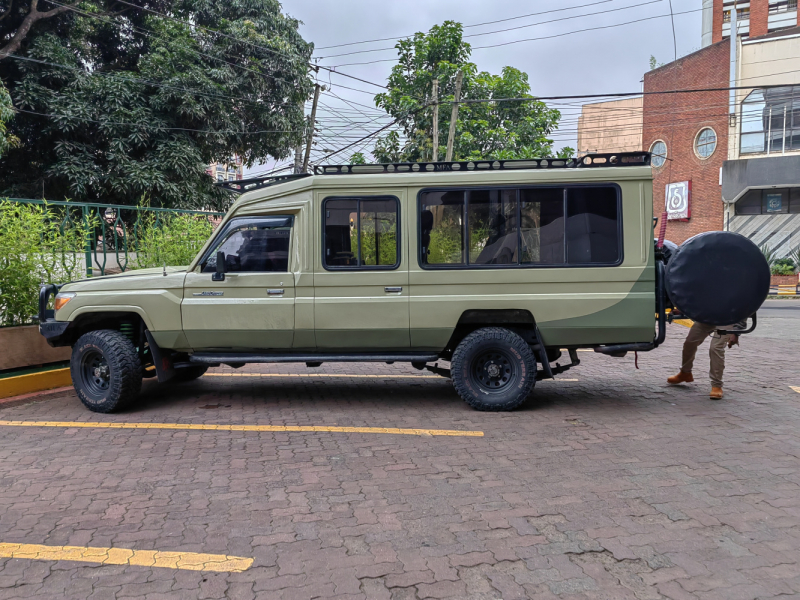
<point>253,307</point>
<point>361,279</point>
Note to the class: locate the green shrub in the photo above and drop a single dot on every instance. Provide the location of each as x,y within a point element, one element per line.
<point>783,266</point>
<point>37,245</point>
<point>170,239</point>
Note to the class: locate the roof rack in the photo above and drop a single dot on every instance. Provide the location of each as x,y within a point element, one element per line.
<point>620,159</point>
<point>241,186</point>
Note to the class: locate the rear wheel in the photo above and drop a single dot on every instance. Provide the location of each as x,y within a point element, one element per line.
<point>106,370</point>
<point>493,369</point>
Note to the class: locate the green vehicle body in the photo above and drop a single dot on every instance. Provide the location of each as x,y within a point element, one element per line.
<point>352,311</point>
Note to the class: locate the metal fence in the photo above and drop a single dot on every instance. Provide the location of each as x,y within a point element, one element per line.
<point>114,230</point>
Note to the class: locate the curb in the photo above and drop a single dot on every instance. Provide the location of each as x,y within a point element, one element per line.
<point>34,382</point>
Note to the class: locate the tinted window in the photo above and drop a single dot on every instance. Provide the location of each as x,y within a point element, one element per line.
<point>493,228</point>
<point>257,247</point>
<point>773,201</point>
<point>442,228</point>
<point>592,226</point>
<point>361,233</point>
<point>525,227</point>
<point>542,219</point>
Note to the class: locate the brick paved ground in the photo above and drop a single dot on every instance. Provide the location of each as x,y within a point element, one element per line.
<point>613,486</point>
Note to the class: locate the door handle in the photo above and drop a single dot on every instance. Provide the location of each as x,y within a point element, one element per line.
<point>275,292</point>
<point>395,290</point>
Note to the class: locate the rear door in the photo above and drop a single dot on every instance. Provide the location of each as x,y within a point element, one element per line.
<point>361,279</point>
<point>253,308</point>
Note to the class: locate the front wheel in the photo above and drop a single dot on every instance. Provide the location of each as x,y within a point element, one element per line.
<point>106,370</point>
<point>493,369</point>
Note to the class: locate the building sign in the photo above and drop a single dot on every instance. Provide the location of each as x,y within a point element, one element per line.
<point>774,202</point>
<point>679,201</point>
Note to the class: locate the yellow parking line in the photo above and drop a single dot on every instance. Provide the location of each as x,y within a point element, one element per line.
<point>261,428</point>
<point>320,375</point>
<point>795,388</point>
<point>190,561</point>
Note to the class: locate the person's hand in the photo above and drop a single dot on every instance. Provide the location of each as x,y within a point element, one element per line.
<point>733,340</point>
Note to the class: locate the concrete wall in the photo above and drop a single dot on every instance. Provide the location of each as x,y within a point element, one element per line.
<point>614,126</point>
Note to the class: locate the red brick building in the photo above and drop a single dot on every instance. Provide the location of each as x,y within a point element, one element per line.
<point>694,130</point>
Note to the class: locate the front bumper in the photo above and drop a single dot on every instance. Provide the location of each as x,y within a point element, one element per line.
<point>52,331</point>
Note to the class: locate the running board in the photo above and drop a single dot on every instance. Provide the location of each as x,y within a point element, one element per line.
<point>213,358</point>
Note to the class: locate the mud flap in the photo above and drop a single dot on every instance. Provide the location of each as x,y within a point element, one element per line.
<point>162,359</point>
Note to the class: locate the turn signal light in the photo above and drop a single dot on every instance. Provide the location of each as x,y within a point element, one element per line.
<point>62,299</point>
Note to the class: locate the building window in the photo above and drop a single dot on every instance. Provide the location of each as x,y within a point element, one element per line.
<point>659,154</point>
<point>774,201</point>
<point>782,6</point>
<point>705,143</point>
<point>742,14</point>
<point>771,121</point>
<point>529,227</point>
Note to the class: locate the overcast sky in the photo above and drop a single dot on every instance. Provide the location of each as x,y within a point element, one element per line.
<point>610,56</point>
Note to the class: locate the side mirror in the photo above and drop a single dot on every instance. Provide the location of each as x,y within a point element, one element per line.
<point>219,275</point>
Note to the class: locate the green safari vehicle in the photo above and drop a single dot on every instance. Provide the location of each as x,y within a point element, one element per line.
<point>495,266</point>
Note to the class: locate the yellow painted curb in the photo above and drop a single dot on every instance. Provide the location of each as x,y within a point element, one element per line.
<point>34,382</point>
<point>223,427</point>
<point>191,561</point>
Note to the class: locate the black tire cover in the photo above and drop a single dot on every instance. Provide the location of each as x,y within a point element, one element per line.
<point>717,278</point>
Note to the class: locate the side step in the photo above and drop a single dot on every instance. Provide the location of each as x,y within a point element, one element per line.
<point>215,358</point>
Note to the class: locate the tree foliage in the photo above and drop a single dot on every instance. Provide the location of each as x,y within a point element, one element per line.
<point>116,102</point>
<point>483,130</point>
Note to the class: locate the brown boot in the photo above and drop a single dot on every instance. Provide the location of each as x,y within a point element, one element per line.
<point>681,377</point>
<point>716,393</point>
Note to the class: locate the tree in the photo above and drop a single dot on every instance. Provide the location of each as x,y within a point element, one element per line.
<point>358,158</point>
<point>6,114</point>
<point>117,102</point>
<point>507,129</point>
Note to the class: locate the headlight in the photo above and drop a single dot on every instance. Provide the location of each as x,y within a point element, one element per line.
<point>62,299</point>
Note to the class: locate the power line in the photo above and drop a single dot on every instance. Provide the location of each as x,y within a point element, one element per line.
<point>559,35</point>
<point>509,28</point>
<point>242,41</point>
<point>155,127</point>
<point>400,37</point>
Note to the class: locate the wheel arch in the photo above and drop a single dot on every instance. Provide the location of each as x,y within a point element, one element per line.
<point>95,318</point>
<point>520,321</point>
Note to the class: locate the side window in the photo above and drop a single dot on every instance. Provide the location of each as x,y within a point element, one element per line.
<point>493,227</point>
<point>592,226</point>
<point>255,246</point>
<point>526,227</point>
<point>442,227</point>
<point>361,233</point>
<point>542,217</point>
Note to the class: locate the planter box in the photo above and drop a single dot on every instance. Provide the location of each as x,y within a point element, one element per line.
<point>783,280</point>
<point>26,347</point>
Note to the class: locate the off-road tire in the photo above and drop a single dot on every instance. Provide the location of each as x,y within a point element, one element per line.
<point>120,380</point>
<point>482,354</point>
<point>189,373</point>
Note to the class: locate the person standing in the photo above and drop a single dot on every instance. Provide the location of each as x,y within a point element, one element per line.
<point>697,334</point>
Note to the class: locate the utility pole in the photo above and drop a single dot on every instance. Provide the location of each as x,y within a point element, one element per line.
<point>298,158</point>
<point>454,117</point>
<point>435,153</point>
<point>312,123</point>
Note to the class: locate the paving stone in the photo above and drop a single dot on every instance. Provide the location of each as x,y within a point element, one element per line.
<point>613,486</point>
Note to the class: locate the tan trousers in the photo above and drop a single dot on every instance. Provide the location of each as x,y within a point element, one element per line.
<point>697,334</point>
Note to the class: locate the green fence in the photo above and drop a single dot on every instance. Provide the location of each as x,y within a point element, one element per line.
<point>114,232</point>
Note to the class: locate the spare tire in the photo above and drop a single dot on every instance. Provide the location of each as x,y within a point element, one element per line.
<point>717,278</point>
